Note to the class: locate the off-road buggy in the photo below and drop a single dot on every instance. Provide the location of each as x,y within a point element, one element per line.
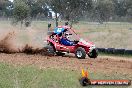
<point>80,48</point>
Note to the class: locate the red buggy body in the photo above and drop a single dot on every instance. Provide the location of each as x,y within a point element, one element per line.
<point>81,48</point>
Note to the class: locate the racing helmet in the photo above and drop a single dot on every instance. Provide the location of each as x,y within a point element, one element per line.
<point>67,35</point>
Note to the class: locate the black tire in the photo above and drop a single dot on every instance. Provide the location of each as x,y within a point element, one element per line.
<point>50,50</point>
<point>128,52</point>
<point>110,51</point>
<point>119,51</point>
<point>102,50</point>
<point>80,53</point>
<point>85,81</point>
<point>60,54</point>
<point>93,54</point>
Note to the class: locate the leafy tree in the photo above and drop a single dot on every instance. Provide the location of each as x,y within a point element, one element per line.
<point>120,8</point>
<point>103,10</point>
<point>3,6</point>
<point>21,12</point>
<point>37,7</point>
<point>9,9</point>
<point>71,10</point>
<point>129,7</point>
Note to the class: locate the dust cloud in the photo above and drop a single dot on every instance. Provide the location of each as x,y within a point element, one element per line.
<point>22,41</point>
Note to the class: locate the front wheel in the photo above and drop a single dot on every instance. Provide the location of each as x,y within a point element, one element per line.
<point>93,54</point>
<point>80,53</point>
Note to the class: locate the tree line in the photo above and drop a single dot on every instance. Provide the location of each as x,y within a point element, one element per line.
<point>70,10</point>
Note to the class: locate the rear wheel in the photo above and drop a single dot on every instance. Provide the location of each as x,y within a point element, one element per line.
<point>50,50</point>
<point>80,53</point>
<point>93,54</point>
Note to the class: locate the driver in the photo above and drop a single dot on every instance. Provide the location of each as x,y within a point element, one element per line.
<point>65,40</point>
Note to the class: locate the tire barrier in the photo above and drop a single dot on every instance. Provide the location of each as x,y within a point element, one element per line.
<point>114,51</point>
<point>110,50</point>
<point>128,52</point>
<point>101,50</point>
<point>119,51</point>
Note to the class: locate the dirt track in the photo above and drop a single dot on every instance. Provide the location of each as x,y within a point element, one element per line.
<point>105,64</point>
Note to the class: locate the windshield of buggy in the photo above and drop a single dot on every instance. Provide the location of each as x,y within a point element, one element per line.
<point>72,35</point>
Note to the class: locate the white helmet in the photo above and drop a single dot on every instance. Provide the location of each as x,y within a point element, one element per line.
<point>67,35</point>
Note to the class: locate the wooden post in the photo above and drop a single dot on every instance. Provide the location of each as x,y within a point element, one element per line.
<point>56,19</point>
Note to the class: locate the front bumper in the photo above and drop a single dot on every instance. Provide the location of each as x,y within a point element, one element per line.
<point>92,48</point>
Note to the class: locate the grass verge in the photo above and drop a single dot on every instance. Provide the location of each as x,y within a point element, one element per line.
<point>32,77</point>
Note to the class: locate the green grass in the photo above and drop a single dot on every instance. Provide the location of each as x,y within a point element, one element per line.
<point>32,77</point>
<point>107,35</point>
